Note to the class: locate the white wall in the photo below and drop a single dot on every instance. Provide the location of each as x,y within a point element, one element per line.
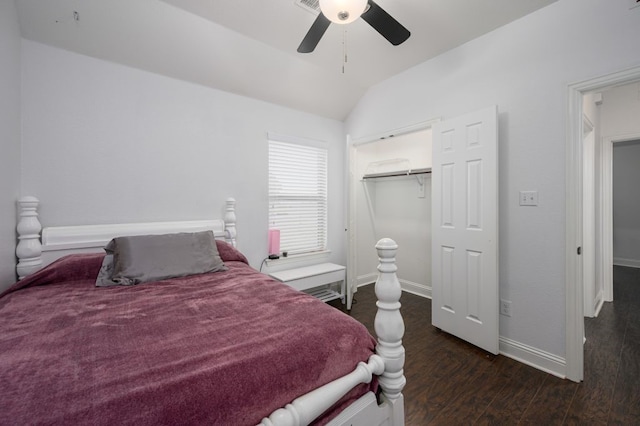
<point>620,110</point>
<point>626,203</point>
<point>9,138</point>
<point>525,69</point>
<point>104,143</point>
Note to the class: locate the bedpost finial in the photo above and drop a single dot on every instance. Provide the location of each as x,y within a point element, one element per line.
<point>387,249</point>
<point>29,248</point>
<point>28,199</point>
<point>230,221</point>
<point>387,244</point>
<point>388,288</point>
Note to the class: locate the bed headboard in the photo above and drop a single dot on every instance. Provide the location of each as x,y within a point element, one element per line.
<point>35,251</point>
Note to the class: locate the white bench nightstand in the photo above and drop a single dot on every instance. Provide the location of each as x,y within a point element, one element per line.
<point>310,277</point>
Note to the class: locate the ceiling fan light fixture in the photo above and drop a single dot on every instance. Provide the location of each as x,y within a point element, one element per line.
<point>342,11</point>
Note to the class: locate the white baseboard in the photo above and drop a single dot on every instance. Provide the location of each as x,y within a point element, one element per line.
<point>408,286</point>
<point>545,361</point>
<point>366,279</point>
<point>631,263</point>
<point>415,288</point>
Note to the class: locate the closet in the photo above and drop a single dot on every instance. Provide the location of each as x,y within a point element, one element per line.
<point>391,197</point>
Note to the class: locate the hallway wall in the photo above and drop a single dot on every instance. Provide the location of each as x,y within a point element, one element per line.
<point>626,204</point>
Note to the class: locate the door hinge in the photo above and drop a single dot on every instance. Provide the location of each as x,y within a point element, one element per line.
<point>579,251</point>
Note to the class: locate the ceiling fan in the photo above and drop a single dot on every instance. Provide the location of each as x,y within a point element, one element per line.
<point>346,11</point>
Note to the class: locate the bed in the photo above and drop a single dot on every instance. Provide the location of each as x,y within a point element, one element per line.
<point>229,347</point>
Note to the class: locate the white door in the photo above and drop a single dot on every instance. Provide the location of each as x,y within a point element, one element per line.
<point>465,228</point>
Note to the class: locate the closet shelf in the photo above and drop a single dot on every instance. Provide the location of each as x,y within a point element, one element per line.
<point>397,173</point>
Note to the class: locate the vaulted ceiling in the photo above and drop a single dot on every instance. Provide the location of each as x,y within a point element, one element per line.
<point>249,47</point>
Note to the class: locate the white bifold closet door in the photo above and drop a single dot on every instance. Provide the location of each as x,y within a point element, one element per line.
<point>465,228</point>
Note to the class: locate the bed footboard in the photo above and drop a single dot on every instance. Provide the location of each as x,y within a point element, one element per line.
<point>305,409</point>
<point>388,363</point>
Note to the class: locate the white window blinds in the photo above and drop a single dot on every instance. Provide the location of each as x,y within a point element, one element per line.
<point>298,196</point>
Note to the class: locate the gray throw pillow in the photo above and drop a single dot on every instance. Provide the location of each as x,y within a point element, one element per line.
<point>144,258</point>
<point>106,270</point>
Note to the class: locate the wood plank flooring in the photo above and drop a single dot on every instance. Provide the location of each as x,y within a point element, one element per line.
<point>450,382</point>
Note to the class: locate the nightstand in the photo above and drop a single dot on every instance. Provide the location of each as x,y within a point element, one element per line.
<point>311,277</point>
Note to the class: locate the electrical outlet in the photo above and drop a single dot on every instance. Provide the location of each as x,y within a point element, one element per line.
<point>528,198</point>
<point>505,307</point>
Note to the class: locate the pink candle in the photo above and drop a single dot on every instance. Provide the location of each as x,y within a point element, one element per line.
<point>274,241</point>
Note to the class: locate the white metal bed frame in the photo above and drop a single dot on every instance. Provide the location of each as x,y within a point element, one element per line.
<point>35,252</point>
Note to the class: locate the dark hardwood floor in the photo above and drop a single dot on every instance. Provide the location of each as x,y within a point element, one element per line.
<point>450,382</point>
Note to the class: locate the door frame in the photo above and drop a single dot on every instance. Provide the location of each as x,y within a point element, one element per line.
<point>589,188</point>
<point>352,230</point>
<point>574,298</point>
<point>606,206</point>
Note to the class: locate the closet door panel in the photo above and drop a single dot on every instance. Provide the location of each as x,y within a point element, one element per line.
<point>474,195</point>
<point>465,232</point>
<point>447,190</point>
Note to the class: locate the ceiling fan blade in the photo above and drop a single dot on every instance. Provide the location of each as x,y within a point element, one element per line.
<point>385,24</point>
<point>314,34</point>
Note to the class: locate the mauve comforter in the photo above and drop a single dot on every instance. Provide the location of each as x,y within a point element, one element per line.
<point>225,348</point>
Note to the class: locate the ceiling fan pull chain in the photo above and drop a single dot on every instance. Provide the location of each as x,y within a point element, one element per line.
<point>344,49</point>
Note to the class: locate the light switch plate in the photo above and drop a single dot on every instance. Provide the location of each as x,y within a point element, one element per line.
<point>528,198</point>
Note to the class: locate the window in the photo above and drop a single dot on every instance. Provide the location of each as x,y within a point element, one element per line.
<point>298,194</point>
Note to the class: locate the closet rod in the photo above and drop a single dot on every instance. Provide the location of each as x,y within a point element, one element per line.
<point>401,173</point>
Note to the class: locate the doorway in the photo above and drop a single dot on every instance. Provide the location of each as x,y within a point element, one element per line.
<point>390,196</point>
<point>616,114</point>
<point>463,223</point>
<point>574,262</point>
<point>607,257</point>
